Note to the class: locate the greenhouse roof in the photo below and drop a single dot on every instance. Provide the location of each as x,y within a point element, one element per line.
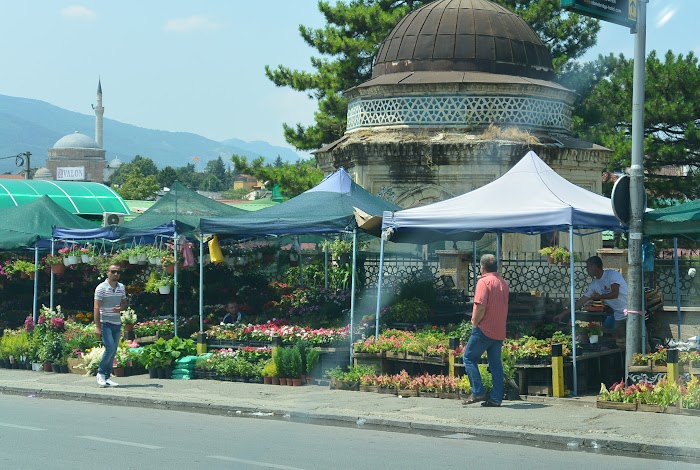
<point>77,197</point>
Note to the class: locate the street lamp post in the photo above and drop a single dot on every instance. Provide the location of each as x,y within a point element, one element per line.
<point>20,160</point>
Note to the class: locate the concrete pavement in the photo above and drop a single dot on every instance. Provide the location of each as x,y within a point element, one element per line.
<point>568,422</point>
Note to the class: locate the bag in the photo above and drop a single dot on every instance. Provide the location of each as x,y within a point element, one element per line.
<point>215,253</point>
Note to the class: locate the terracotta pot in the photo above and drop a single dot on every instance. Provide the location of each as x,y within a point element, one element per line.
<point>48,367</point>
<point>275,380</point>
<point>283,380</point>
<point>267,380</point>
<point>119,372</point>
<point>128,327</point>
<point>169,268</point>
<point>58,268</point>
<point>296,382</point>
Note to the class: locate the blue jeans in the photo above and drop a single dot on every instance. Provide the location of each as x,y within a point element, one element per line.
<point>478,343</point>
<point>110,338</point>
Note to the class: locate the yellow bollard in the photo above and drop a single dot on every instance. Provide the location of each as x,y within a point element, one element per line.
<point>201,343</point>
<point>454,342</point>
<point>672,371</point>
<point>558,389</point>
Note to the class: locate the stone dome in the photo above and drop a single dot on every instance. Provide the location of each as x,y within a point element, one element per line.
<point>76,141</point>
<point>464,36</point>
<point>42,174</point>
<point>115,163</point>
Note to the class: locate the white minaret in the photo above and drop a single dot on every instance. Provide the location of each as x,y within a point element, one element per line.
<point>99,112</point>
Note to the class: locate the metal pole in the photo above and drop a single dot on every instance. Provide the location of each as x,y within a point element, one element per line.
<point>572,306</point>
<point>379,286</point>
<point>175,282</point>
<point>36,282</point>
<point>52,279</point>
<point>678,285</point>
<point>325,265</point>
<point>634,299</point>
<point>201,282</point>
<point>476,268</point>
<point>301,265</point>
<point>352,288</point>
<point>498,251</point>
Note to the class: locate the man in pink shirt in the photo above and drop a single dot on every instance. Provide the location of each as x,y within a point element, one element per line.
<point>488,332</point>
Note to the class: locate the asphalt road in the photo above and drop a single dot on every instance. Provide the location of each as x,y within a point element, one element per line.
<point>37,433</point>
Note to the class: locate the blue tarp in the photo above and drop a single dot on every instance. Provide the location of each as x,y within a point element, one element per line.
<point>112,232</point>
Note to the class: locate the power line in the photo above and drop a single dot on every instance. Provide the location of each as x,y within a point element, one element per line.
<point>19,161</point>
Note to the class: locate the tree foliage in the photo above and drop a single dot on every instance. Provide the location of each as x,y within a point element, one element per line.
<point>137,186</point>
<point>293,178</point>
<point>145,165</point>
<point>351,39</point>
<point>671,120</point>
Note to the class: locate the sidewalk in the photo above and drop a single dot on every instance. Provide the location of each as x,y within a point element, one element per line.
<point>572,422</point>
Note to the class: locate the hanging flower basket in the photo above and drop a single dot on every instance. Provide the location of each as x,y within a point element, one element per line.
<point>58,268</point>
<point>72,259</point>
<point>85,258</point>
<point>164,290</point>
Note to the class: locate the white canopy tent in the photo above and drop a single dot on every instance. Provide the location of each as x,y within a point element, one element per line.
<point>530,198</point>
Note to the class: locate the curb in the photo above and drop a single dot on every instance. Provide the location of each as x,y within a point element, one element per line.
<point>569,441</point>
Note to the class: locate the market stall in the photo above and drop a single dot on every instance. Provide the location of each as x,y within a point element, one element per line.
<point>530,198</point>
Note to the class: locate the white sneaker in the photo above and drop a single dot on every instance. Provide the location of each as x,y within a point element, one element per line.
<point>101,380</point>
<point>111,383</point>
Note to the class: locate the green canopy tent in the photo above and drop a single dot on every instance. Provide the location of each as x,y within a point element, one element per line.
<point>185,208</point>
<point>32,222</point>
<point>682,220</point>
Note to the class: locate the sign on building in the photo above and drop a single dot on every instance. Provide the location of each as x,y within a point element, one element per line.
<point>71,173</point>
<point>623,12</point>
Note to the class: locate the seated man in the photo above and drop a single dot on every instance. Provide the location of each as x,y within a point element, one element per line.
<point>233,315</point>
<point>609,286</point>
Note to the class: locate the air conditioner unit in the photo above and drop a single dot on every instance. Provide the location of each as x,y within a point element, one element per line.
<point>112,218</point>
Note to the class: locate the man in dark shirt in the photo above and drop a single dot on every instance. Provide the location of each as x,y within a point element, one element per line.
<point>233,315</point>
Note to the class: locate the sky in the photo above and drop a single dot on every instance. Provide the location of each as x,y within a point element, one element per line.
<point>198,67</point>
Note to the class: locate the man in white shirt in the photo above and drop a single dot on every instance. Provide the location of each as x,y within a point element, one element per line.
<point>110,300</point>
<point>609,286</point>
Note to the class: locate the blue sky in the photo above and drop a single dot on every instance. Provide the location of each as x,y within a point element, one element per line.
<point>198,67</point>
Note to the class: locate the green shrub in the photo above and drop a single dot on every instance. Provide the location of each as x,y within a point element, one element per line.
<point>412,310</point>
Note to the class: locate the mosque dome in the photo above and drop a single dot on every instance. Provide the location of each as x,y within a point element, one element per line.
<point>115,163</point>
<point>76,141</point>
<point>464,36</point>
<point>42,174</point>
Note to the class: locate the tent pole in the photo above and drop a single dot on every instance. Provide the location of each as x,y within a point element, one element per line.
<point>498,251</point>
<point>175,282</point>
<point>379,286</point>
<point>52,279</point>
<point>36,281</point>
<point>301,265</point>
<point>476,267</point>
<point>678,285</point>
<point>325,265</point>
<point>572,306</point>
<point>201,282</point>
<point>644,321</point>
<point>352,288</point>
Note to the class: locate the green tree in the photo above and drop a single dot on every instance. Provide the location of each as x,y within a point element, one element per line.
<point>671,120</point>
<point>189,177</point>
<point>293,178</point>
<point>215,175</point>
<point>145,165</point>
<point>167,176</point>
<point>136,186</point>
<point>351,39</point>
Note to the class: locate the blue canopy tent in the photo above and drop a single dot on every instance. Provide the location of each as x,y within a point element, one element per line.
<point>329,207</point>
<point>530,198</point>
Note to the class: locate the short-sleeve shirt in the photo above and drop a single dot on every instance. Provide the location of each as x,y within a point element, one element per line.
<point>110,297</point>
<point>604,286</point>
<point>492,292</point>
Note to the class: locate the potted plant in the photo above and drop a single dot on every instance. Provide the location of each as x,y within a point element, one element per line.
<point>24,268</point>
<point>55,263</point>
<point>269,373</point>
<point>168,262</point>
<point>268,251</point>
<point>557,255</point>
<point>128,317</point>
<point>594,330</point>
<point>164,282</point>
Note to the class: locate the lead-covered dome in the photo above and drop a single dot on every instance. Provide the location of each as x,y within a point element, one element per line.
<point>76,141</point>
<point>465,36</point>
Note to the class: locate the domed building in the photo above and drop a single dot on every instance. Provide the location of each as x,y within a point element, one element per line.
<point>77,157</point>
<point>460,91</point>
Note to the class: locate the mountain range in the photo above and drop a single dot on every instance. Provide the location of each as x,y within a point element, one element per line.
<point>35,126</point>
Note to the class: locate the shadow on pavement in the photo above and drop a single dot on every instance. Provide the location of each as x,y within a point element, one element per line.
<point>140,386</point>
<point>526,406</point>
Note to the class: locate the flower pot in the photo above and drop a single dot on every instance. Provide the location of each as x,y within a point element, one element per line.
<point>72,260</point>
<point>161,372</point>
<point>128,327</point>
<point>119,372</point>
<point>296,382</point>
<point>66,262</point>
<point>85,258</point>
<point>152,373</point>
<point>268,257</point>
<point>169,268</point>
<point>275,380</point>
<point>153,261</point>
<point>63,368</point>
<point>592,339</point>
<point>133,259</point>
<point>267,380</point>
<point>58,268</point>
<point>142,257</point>
<point>283,380</point>
<point>164,290</point>
<point>55,368</point>
<point>36,366</point>
<point>48,367</point>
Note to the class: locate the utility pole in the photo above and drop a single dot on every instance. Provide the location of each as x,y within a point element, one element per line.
<point>27,165</point>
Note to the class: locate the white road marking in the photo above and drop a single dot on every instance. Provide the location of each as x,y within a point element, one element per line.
<point>253,462</point>
<point>17,426</point>
<point>124,443</point>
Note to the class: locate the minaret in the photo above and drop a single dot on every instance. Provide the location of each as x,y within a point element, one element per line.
<point>99,112</point>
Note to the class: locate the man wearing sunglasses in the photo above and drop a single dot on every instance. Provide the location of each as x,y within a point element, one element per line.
<point>110,299</point>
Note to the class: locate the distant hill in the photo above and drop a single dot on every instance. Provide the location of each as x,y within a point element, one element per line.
<point>35,126</point>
